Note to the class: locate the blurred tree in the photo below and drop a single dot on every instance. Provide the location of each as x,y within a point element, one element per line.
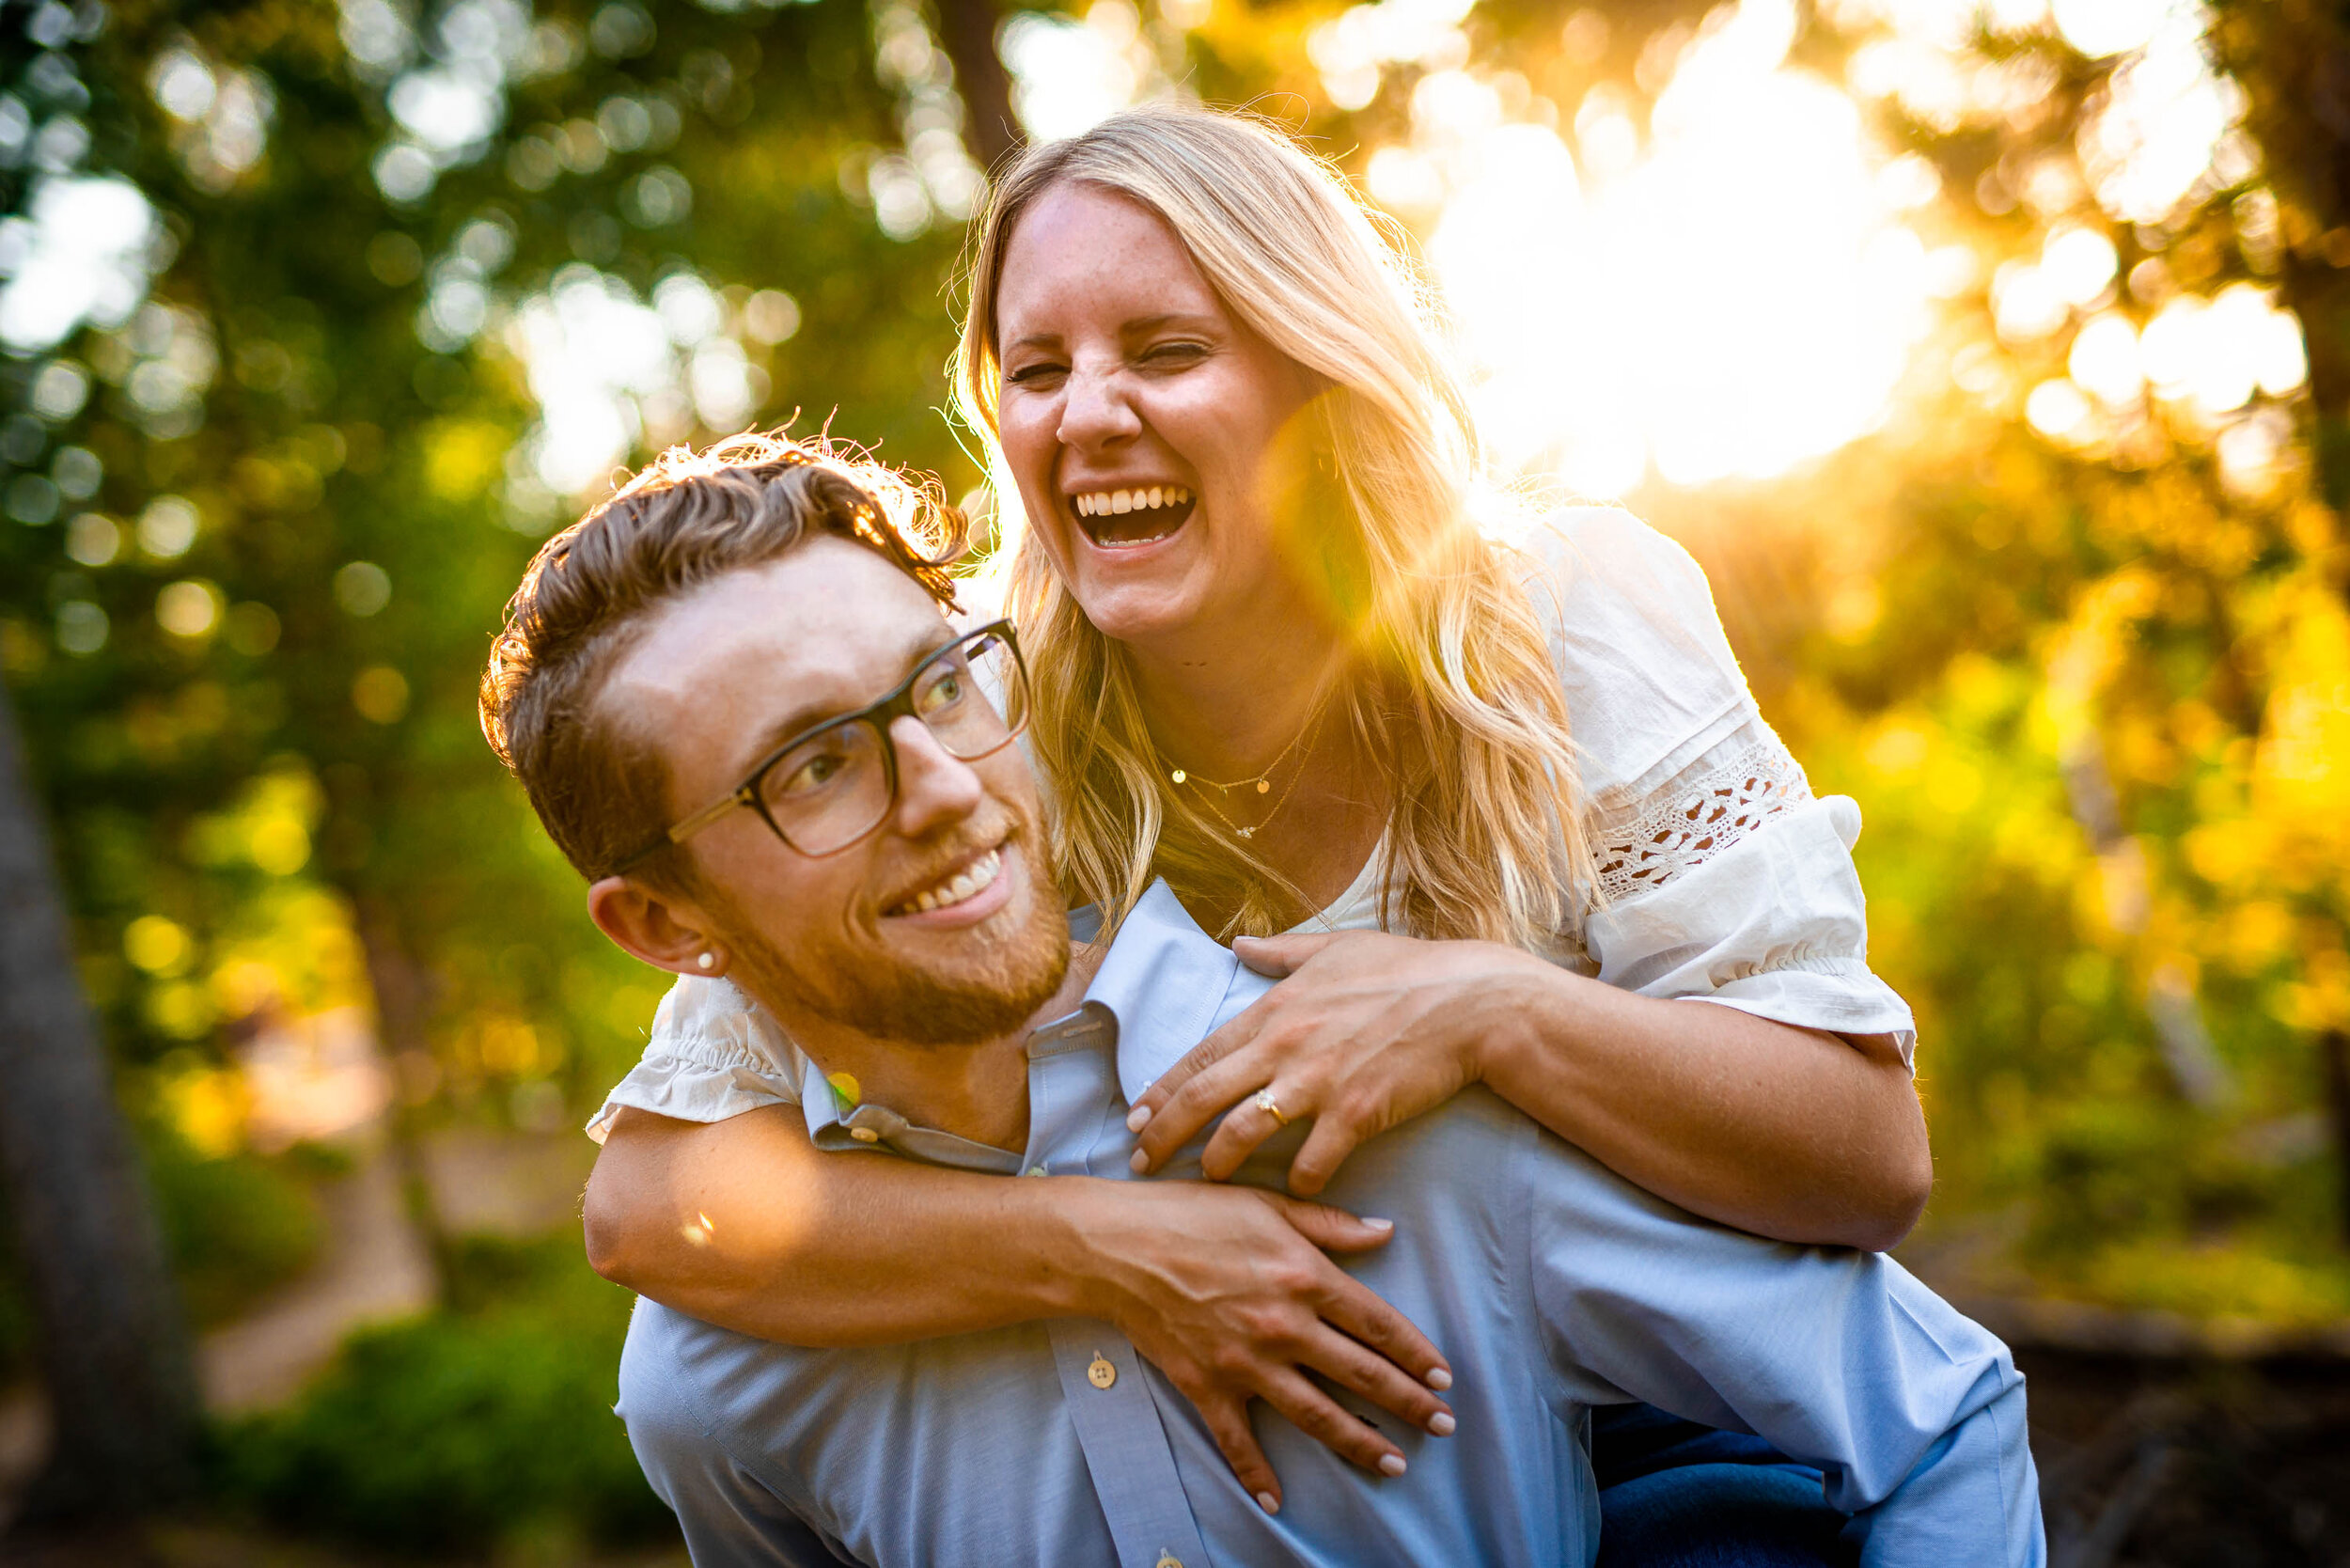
<point>113,1347</point>
<point>419,284</point>
<point>968,28</point>
<point>2293,61</point>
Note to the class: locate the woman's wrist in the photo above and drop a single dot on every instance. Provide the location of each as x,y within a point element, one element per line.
<point>1523,1023</point>
<point>1077,1274</point>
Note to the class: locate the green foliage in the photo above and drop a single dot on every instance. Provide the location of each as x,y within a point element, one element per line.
<point>235,1227</point>
<point>485,1423</point>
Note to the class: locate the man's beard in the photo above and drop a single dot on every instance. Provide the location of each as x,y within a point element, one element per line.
<point>886,997</point>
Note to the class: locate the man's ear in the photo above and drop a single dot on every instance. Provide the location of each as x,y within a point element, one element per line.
<point>666,934</point>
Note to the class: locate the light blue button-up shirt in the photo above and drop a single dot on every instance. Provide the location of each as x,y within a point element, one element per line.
<point>1551,1285</point>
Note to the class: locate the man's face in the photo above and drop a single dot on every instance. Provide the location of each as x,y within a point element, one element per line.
<point>729,673</point>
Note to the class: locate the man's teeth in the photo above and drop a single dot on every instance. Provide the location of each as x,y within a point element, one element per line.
<point>967,882</point>
<point>1108,503</point>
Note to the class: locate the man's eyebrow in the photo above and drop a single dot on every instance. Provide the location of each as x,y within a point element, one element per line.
<point>804,716</point>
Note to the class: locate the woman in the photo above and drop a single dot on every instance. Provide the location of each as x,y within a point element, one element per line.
<point>1510,805</point>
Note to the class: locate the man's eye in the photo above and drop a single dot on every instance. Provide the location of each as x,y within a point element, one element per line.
<point>810,774</point>
<point>941,691</point>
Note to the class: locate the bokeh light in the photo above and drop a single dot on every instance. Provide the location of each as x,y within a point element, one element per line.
<point>82,253</point>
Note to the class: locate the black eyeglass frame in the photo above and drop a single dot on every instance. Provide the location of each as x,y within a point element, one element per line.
<point>881,713</point>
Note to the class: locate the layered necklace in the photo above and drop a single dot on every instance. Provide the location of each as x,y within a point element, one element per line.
<point>1259,783</point>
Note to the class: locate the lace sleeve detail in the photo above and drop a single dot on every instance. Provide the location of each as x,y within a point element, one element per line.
<point>1702,811</point>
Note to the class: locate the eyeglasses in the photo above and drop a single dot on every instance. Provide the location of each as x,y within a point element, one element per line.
<point>828,788</point>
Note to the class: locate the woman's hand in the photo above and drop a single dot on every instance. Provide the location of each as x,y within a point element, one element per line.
<point>744,1224</point>
<point>1794,1134</point>
<point>1365,1032</point>
<point>1227,1292</point>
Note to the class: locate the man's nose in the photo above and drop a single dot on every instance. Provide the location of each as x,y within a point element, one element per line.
<point>1096,409</point>
<point>935,789</point>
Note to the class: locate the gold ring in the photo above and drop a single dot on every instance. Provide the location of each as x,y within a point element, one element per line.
<point>1264,1104</point>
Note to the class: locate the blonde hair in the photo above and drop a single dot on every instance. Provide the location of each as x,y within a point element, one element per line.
<point>1458,703</point>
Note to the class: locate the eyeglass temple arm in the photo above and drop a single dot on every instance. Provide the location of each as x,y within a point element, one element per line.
<point>680,831</point>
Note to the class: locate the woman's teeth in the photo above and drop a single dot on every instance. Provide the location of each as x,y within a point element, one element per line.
<point>1116,503</point>
<point>970,880</point>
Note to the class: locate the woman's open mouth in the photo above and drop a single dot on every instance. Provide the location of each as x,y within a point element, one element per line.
<point>1117,519</point>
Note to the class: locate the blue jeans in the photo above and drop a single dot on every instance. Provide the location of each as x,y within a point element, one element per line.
<point>1673,1494</point>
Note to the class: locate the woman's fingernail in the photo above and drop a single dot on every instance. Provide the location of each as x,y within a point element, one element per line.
<point>1391,1464</point>
<point>1441,1424</point>
<point>1139,1163</point>
<point>1267,1501</point>
<point>1440,1380</point>
<point>1137,1119</point>
<point>1379,1224</point>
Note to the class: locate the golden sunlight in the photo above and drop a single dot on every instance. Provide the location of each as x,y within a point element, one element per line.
<point>1735,296</point>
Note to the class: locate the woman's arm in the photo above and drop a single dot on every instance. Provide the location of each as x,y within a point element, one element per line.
<point>742,1223</point>
<point>1797,1134</point>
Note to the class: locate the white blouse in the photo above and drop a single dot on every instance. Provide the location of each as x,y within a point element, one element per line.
<point>1721,877</point>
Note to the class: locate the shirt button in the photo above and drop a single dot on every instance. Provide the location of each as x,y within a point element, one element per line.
<point>1036,1170</point>
<point>1101,1374</point>
<point>864,1134</point>
<point>1168,1560</point>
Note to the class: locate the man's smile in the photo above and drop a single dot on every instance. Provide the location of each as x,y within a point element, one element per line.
<point>965,895</point>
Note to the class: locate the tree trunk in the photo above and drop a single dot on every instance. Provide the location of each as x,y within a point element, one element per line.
<point>404,1007</point>
<point>2333,1049</point>
<point>114,1347</point>
<point>967,28</point>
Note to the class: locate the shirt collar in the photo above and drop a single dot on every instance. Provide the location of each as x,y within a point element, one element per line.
<point>837,1125</point>
<point>1164,981</point>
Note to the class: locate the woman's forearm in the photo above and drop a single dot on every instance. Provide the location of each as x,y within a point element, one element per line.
<point>744,1224</point>
<point>1792,1133</point>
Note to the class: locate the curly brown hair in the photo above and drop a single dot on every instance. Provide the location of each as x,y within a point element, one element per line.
<point>685,519</point>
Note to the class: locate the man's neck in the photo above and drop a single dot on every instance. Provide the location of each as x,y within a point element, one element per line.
<point>977,1091</point>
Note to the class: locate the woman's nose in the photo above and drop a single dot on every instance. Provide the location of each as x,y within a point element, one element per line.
<point>1096,412</point>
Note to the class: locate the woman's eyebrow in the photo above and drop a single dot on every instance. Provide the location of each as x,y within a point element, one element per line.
<point>1141,324</point>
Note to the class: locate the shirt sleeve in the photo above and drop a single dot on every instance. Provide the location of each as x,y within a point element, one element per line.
<point>1721,878</point>
<point>1913,1413</point>
<point>713,1052</point>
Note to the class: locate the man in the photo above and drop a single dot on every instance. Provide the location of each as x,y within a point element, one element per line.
<point>837,807</point>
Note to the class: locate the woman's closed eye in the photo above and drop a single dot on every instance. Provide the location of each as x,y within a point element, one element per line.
<point>1174,357</point>
<point>1042,373</point>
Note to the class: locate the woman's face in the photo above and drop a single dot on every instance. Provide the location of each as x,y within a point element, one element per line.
<point>1151,434</point>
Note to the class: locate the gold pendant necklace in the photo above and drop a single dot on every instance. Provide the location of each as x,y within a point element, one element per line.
<point>1262,781</point>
